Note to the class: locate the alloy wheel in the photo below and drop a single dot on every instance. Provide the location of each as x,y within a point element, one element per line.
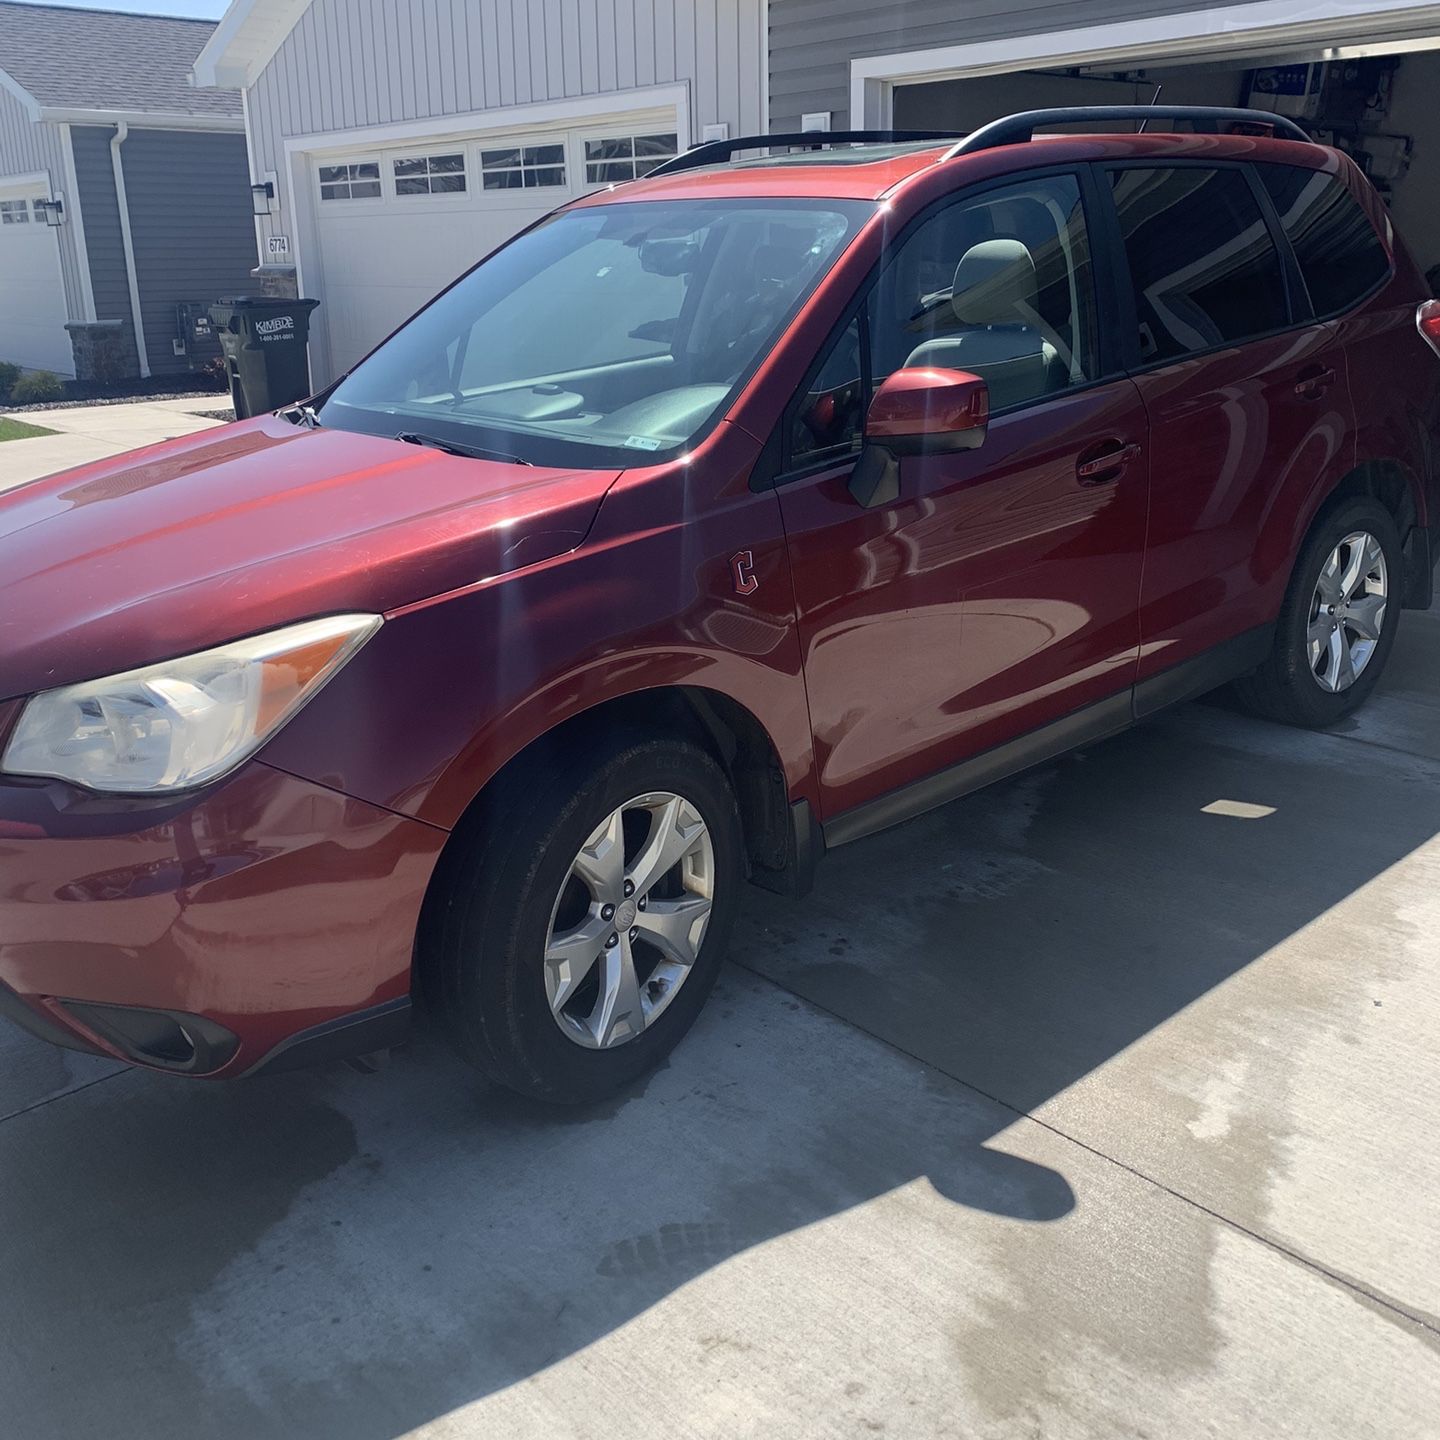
<point>1347,612</point>
<point>630,919</point>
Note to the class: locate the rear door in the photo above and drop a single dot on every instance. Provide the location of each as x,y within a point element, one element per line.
<point>1248,405</point>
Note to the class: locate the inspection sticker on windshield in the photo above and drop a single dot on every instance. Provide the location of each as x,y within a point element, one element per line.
<point>642,442</point>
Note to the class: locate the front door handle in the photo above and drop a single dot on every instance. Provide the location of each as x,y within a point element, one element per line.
<point>1105,462</point>
<point>1313,384</point>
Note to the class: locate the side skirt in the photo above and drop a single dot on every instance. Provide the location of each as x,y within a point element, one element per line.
<point>1096,722</point>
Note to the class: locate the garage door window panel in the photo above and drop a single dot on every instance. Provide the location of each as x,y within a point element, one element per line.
<point>523,167</point>
<point>429,174</point>
<point>14,212</point>
<point>1342,259</point>
<point>1203,263</point>
<point>358,180</point>
<point>614,159</point>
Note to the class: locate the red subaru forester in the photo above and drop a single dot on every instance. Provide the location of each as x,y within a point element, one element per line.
<point>720,518</point>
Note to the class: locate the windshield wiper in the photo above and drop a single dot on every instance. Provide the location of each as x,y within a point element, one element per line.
<point>451,447</point>
<point>302,415</point>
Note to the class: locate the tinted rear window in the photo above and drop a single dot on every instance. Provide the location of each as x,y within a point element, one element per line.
<point>1340,254</point>
<point>1205,270</point>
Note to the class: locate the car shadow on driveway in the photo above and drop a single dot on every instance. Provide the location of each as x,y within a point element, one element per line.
<point>331,1254</point>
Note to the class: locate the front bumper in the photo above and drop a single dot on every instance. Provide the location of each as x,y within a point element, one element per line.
<point>263,922</point>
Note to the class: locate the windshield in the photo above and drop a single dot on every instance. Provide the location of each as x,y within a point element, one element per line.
<point>606,336</point>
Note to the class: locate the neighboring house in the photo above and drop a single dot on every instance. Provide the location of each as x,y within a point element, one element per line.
<point>124,191</point>
<point>405,140</point>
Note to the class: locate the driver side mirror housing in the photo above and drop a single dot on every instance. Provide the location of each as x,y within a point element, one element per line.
<point>918,411</point>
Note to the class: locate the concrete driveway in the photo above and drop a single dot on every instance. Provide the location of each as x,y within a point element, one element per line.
<point>1086,1107</point>
<point>96,432</point>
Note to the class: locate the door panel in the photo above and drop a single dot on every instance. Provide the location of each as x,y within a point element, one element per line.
<point>1248,414</point>
<point>1239,442</point>
<point>999,593</point>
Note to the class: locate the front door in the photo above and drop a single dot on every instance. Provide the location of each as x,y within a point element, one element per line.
<point>1000,591</point>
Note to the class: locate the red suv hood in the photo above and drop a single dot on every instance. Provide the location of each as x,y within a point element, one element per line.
<point>240,530</point>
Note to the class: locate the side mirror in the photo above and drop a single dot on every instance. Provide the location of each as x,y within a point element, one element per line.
<point>920,411</point>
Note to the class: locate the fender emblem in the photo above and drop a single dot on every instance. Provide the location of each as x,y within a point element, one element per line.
<point>742,567</point>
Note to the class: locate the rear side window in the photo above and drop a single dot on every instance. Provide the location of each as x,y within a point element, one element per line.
<point>1205,269</point>
<point>1340,254</point>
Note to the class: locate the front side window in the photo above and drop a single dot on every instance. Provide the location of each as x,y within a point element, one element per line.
<point>359,181</point>
<point>522,167</point>
<point>429,174</point>
<point>1340,255</point>
<point>1204,267</point>
<point>998,284</point>
<point>608,335</point>
<point>14,212</point>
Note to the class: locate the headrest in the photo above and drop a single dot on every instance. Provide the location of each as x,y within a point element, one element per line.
<point>995,285</point>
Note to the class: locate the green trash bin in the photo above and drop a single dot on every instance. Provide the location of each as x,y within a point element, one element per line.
<point>266,344</point>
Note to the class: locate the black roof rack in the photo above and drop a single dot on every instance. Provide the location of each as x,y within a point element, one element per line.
<point>1017,129</point>
<point>717,152</point>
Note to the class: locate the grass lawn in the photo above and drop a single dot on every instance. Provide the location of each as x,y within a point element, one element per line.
<point>19,430</point>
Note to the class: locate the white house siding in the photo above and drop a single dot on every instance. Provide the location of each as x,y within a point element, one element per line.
<point>30,148</point>
<point>354,63</point>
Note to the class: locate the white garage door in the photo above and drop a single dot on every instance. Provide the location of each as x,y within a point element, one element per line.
<point>399,223</point>
<point>32,290</point>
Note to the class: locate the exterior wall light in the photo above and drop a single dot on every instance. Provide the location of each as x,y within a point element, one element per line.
<point>262,197</point>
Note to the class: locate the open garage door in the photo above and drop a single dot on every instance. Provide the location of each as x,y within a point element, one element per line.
<point>1359,74</point>
<point>397,224</point>
<point>32,288</point>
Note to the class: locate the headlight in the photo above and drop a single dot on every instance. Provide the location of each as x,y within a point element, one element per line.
<point>184,722</point>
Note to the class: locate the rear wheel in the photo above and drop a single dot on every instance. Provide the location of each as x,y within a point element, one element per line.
<point>574,935</point>
<point>1337,624</point>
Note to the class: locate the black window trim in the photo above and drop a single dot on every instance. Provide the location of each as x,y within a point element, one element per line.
<point>1271,209</point>
<point>1108,347</point>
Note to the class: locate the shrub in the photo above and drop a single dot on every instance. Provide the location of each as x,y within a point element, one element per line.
<point>36,387</point>
<point>9,374</point>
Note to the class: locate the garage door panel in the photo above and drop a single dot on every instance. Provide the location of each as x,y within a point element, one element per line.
<point>383,257</point>
<point>32,290</point>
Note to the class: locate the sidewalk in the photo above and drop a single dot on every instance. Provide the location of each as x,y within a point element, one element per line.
<point>94,432</point>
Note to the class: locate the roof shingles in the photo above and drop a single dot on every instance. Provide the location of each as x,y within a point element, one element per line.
<point>103,60</point>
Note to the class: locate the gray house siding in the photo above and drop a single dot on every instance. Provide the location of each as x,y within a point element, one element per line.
<point>198,249</point>
<point>813,41</point>
<point>352,63</point>
<point>96,179</point>
<point>28,147</point>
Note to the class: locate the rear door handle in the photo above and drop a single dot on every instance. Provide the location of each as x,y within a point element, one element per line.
<point>1108,464</point>
<point>1312,384</point>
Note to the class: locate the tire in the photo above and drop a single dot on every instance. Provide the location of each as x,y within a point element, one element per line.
<point>1286,688</point>
<point>506,880</point>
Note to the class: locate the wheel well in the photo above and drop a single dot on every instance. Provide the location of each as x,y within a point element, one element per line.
<point>1382,480</point>
<point>1390,483</point>
<point>730,732</point>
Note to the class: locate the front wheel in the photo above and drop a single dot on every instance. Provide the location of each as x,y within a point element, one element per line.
<point>1338,622</point>
<point>574,935</point>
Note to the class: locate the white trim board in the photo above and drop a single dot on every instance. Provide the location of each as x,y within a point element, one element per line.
<point>75,215</point>
<point>1212,33</point>
<point>29,181</point>
<point>509,119</point>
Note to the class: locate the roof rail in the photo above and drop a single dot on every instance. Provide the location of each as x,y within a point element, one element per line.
<point>1017,129</point>
<point>716,152</point>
